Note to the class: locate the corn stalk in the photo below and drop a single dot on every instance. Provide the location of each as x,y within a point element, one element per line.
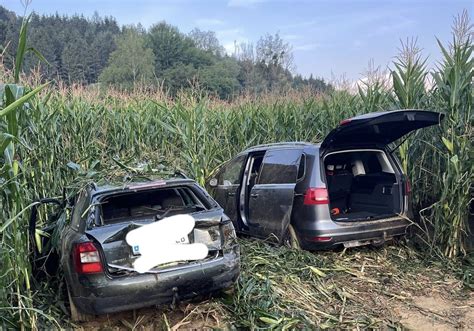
<point>15,269</point>
<point>454,89</point>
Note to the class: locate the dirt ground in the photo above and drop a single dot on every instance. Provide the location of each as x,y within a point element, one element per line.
<point>434,311</point>
<point>437,312</point>
<point>378,285</point>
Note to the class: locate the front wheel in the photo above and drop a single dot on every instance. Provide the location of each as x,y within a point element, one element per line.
<point>291,239</point>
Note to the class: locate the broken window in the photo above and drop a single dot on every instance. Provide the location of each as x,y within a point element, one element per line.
<point>157,203</point>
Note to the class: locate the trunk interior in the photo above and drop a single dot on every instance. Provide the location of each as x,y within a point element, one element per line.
<point>122,213</point>
<point>362,185</point>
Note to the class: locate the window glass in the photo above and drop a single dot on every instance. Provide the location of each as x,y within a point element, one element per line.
<point>230,174</point>
<point>280,167</point>
<point>302,167</point>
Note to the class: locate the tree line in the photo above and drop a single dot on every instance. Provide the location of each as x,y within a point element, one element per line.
<point>98,50</point>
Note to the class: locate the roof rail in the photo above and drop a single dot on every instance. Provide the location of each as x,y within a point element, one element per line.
<point>179,173</point>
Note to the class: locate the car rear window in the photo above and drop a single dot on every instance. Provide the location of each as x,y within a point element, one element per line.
<point>280,167</point>
<point>149,204</point>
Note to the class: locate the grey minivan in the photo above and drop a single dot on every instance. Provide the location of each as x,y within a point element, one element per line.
<point>349,190</point>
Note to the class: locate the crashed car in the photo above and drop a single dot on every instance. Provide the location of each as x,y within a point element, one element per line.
<point>98,263</point>
<point>349,190</point>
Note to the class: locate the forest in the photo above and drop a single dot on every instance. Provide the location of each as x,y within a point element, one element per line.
<point>99,50</point>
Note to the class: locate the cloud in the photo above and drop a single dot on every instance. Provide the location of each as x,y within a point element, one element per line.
<point>229,33</point>
<point>303,24</point>
<point>230,37</point>
<point>307,47</point>
<point>206,22</point>
<point>289,37</point>
<point>244,3</point>
<point>391,27</point>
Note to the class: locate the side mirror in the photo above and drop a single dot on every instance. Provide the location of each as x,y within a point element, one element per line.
<point>213,182</point>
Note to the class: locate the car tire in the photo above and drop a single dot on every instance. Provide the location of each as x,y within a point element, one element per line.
<point>378,244</point>
<point>77,315</point>
<point>230,290</point>
<point>291,239</point>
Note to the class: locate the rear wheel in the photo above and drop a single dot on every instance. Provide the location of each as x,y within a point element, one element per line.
<point>378,243</point>
<point>291,239</point>
<point>77,315</point>
<point>229,290</point>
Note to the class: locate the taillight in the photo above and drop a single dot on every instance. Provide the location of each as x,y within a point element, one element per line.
<point>228,232</point>
<point>87,258</point>
<point>316,196</point>
<point>320,239</point>
<point>407,186</point>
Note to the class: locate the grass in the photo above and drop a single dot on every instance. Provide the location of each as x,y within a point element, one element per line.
<point>280,288</point>
<point>54,140</point>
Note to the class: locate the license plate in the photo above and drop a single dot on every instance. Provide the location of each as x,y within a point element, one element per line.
<point>136,248</point>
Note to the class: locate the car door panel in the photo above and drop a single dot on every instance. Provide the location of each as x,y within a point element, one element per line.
<point>270,208</point>
<point>228,187</point>
<point>271,199</point>
<point>226,197</point>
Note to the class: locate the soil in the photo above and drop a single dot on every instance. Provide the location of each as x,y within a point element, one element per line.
<point>391,286</point>
<point>206,315</point>
<point>427,312</point>
<point>437,313</point>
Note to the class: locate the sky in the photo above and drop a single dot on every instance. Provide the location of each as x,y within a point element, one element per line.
<point>330,39</point>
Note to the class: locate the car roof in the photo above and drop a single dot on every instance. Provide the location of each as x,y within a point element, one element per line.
<point>281,145</point>
<point>111,188</point>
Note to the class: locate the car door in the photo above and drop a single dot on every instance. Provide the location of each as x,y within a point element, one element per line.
<point>228,186</point>
<point>271,199</point>
<point>43,253</point>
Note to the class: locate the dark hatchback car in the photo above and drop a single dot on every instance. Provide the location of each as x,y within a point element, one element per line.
<point>348,190</point>
<point>98,263</point>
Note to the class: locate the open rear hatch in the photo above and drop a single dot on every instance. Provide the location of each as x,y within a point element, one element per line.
<point>381,128</point>
<point>123,213</point>
<point>362,179</point>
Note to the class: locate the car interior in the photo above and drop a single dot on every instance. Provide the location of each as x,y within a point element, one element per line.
<point>254,165</point>
<point>149,204</point>
<point>362,185</point>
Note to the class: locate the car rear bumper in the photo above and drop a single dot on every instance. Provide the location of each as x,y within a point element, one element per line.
<point>356,233</point>
<point>108,295</point>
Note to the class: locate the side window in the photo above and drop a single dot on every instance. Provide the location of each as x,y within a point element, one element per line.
<point>230,174</point>
<point>302,168</point>
<point>280,166</point>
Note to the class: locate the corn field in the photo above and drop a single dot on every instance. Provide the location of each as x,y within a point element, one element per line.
<point>53,139</point>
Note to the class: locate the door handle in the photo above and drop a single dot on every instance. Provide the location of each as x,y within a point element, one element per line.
<point>231,194</point>
<point>254,195</point>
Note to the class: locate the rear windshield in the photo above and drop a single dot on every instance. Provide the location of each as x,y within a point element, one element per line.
<point>156,203</point>
<point>357,163</point>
